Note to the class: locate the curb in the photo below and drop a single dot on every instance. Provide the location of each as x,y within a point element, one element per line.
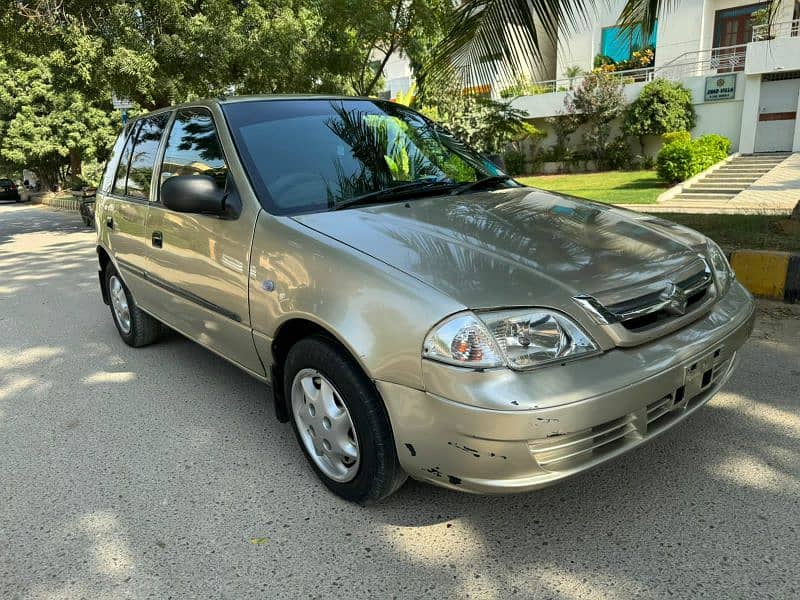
<point>768,273</point>
<point>59,202</point>
<point>678,188</point>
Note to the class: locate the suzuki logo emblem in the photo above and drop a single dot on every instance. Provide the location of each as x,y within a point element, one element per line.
<point>675,299</point>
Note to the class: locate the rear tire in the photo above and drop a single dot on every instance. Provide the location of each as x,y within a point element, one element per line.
<point>366,470</point>
<point>135,327</point>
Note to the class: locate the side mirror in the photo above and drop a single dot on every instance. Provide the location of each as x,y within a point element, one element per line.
<point>193,194</point>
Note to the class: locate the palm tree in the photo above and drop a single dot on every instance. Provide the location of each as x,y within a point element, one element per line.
<point>514,30</point>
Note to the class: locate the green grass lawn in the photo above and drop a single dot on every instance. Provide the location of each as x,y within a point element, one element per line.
<point>614,187</point>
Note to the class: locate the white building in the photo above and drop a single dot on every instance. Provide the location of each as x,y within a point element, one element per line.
<point>744,77</point>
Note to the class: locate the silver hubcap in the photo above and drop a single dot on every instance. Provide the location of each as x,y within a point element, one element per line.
<point>325,425</point>
<point>119,302</point>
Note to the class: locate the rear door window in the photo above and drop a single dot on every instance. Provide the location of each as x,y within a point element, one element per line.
<point>109,174</point>
<point>193,147</point>
<point>121,175</point>
<point>143,158</point>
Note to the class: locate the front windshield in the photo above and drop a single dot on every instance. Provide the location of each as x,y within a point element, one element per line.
<point>317,154</point>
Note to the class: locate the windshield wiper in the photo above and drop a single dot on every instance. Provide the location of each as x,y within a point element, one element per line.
<point>391,193</point>
<point>473,185</point>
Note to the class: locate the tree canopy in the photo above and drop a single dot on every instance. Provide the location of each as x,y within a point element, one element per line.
<point>61,61</point>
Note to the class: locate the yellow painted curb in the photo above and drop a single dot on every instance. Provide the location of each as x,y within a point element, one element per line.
<point>763,272</point>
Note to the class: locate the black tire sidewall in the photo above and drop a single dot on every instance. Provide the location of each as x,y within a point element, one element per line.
<point>129,337</point>
<point>378,458</point>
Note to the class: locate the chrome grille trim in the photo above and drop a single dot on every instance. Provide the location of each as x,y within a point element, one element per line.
<point>675,300</point>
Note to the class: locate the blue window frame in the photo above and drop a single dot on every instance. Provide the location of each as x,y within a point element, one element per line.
<point>619,43</point>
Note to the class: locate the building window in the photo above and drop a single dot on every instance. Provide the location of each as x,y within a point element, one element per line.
<point>734,26</point>
<point>619,43</point>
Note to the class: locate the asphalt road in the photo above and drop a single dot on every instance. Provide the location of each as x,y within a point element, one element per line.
<point>161,472</point>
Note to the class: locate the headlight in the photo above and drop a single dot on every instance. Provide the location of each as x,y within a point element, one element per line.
<point>462,340</point>
<point>723,274</point>
<point>519,339</point>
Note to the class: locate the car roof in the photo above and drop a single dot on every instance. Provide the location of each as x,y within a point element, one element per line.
<point>222,100</point>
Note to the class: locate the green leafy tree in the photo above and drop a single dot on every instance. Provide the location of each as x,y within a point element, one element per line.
<point>46,123</point>
<point>662,106</point>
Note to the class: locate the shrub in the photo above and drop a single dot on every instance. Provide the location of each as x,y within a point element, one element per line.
<point>515,162</point>
<point>674,162</point>
<point>662,106</point>
<point>683,158</point>
<point>617,155</point>
<point>677,136</point>
<point>715,144</point>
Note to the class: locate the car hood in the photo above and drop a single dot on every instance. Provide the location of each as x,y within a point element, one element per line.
<point>513,247</point>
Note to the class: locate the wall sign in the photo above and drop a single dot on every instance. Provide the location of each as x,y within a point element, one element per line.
<point>721,87</point>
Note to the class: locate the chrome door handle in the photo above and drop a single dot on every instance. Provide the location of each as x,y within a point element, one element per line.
<point>157,239</point>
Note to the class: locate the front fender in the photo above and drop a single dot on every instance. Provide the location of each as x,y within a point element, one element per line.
<point>379,313</point>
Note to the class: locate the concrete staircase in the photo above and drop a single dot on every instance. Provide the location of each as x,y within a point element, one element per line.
<point>731,178</point>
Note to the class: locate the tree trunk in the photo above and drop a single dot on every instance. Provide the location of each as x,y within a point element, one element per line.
<point>796,212</point>
<point>75,162</point>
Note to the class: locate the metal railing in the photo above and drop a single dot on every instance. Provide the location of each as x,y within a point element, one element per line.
<point>726,59</point>
<point>776,30</point>
<point>509,87</point>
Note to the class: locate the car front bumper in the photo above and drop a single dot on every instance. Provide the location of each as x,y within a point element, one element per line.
<point>503,431</point>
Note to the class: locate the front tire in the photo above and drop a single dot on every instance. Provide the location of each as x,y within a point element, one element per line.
<point>340,422</point>
<point>135,327</point>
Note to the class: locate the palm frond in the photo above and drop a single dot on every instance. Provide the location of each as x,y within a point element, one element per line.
<point>645,12</point>
<point>488,35</point>
<point>493,36</point>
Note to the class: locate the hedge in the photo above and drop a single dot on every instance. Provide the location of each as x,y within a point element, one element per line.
<point>681,157</point>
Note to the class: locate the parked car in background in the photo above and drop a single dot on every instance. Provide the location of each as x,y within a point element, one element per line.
<point>9,191</point>
<point>414,310</point>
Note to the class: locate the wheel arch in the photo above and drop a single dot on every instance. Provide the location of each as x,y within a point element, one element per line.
<point>287,335</point>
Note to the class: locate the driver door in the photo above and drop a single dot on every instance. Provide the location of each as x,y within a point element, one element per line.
<point>199,263</point>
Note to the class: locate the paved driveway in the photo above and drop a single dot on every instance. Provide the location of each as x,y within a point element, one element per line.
<point>160,472</point>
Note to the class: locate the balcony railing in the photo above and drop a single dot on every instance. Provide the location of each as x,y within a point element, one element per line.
<point>776,30</point>
<point>727,59</point>
<point>508,88</point>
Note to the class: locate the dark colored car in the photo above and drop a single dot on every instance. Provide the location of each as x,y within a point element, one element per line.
<point>8,190</point>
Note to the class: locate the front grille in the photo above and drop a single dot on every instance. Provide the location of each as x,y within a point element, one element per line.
<point>658,303</point>
<point>564,451</point>
<point>642,313</point>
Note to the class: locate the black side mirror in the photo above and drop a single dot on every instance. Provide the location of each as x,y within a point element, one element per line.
<point>193,194</point>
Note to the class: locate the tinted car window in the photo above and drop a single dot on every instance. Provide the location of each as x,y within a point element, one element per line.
<point>307,155</point>
<point>6,182</point>
<point>109,173</point>
<point>143,158</point>
<point>121,175</point>
<point>193,147</point>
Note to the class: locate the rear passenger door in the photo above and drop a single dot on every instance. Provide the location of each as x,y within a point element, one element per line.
<point>200,262</point>
<point>131,199</point>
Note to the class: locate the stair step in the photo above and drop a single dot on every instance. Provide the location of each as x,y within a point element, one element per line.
<point>714,187</point>
<point>705,196</point>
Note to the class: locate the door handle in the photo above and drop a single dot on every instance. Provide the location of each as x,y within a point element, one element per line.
<point>110,222</point>
<point>157,239</point>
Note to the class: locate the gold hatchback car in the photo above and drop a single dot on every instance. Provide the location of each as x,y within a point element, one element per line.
<point>415,311</point>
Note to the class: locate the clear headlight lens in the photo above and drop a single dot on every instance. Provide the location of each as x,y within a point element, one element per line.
<point>519,339</point>
<point>462,340</point>
<point>723,274</point>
